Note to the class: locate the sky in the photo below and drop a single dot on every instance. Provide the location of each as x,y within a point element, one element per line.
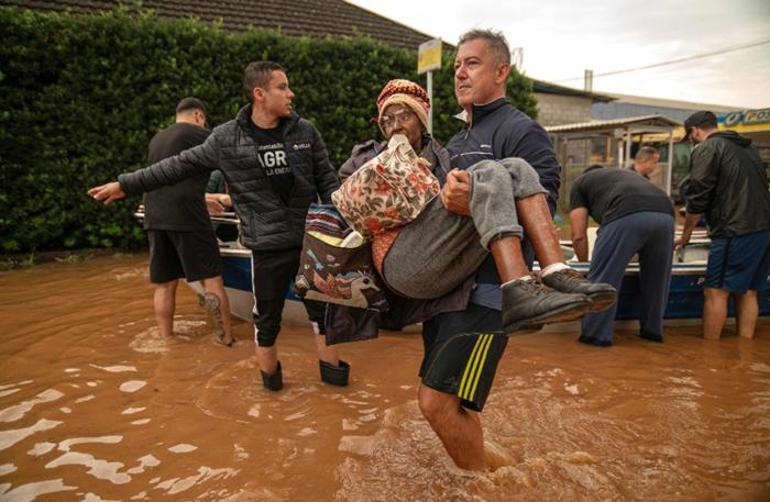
<point>562,38</point>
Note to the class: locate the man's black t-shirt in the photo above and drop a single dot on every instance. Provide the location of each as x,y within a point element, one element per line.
<point>271,157</point>
<point>178,207</point>
<point>609,193</point>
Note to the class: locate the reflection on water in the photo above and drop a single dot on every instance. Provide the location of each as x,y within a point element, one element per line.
<point>94,405</point>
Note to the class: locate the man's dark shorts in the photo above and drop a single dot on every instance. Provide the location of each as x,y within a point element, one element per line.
<point>192,255</point>
<point>462,350</point>
<point>737,264</point>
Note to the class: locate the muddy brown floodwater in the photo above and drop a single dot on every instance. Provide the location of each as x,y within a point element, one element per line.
<point>95,406</point>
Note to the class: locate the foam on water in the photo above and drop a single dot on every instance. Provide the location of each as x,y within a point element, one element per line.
<point>132,386</point>
<point>16,412</point>
<point>100,469</point>
<point>131,411</point>
<point>145,461</point>
<point>149,341</point>
<point>8,392</point>
<point>92,497</point>
<point>18,384</point>
<point>177,485</point>
<point>182,448</point>
<point>41,449</point>
<point>130,274</point>
<point>31,491</point>
<point>11,437</point>
<point>115,368</point>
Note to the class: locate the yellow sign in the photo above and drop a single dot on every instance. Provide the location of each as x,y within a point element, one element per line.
<point>746,121</point>
<point>429,56</point>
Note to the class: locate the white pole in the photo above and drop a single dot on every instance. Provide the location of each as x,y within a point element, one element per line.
<point>670,171</point>
<point>430,99</point>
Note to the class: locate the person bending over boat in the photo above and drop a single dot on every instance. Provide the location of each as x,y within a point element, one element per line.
<point>634,216</point>
<point>728,184</point>
<point>271,192</point>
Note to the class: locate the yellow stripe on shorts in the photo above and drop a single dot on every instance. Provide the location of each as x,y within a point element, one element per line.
<point>473,367</point>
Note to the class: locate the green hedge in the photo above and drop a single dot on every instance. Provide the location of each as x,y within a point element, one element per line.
<point>82,96</point>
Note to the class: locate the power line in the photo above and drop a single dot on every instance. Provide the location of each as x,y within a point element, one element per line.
<point>673,61</point>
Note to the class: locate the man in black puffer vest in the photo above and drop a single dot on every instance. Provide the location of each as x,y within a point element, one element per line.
<point>276,165</point>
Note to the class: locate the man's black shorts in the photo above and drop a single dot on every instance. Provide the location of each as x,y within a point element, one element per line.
<point>192,255</point>
<point>462,350</point>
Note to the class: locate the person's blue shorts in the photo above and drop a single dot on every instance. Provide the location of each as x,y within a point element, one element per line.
<point>737,264</point>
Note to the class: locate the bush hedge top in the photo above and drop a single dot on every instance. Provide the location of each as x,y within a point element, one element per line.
<point>83,95</point>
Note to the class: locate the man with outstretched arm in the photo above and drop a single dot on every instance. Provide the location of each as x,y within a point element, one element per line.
<point>275,164</point>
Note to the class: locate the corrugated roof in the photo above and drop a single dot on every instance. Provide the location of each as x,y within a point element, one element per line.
<point>595,125</point>
<point>551,88</point>
<point>671,103</point>
<point>315,18</point>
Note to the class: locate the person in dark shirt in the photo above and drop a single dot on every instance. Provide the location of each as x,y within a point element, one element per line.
<point>182,243</point>
<point>634,216</point>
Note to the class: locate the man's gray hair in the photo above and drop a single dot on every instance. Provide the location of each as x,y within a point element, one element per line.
<point>646,153</point>
<point>497,45</point>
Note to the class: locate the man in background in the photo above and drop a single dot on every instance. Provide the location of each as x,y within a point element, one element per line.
<point>635,216</point>
<point>646,161</point>
<point>728,184</point>
<point>182,242</point>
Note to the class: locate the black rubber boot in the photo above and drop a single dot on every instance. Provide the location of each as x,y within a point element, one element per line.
<point>335,375</point>
<point>273,382</point>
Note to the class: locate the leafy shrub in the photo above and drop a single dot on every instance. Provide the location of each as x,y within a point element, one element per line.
<point>83,95</point>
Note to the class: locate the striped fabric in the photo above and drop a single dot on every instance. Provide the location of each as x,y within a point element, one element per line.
<point>474,367</point>
<point>325,218</point>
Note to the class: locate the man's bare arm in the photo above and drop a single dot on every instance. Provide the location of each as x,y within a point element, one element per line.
<point>690,220</point>
<point>578,218</point>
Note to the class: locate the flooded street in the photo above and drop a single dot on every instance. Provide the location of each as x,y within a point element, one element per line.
<point>95,406</point>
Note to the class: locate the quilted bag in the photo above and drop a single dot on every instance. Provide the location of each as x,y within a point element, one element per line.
<point>388,191</point>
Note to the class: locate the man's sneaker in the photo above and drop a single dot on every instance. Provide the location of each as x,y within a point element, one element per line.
<point>602,296</point>
<point>527,304</point>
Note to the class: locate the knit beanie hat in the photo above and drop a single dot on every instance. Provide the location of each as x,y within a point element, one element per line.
<point>407,93</point>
